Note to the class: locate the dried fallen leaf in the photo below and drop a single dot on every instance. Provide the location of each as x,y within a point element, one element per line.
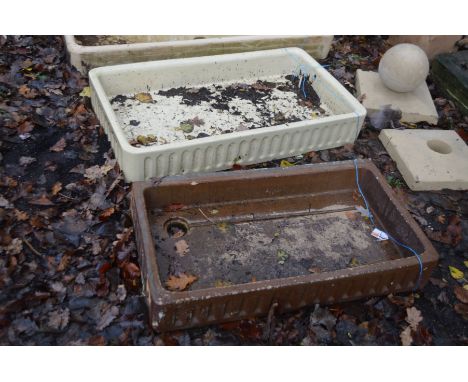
<point>80,109</point>
<point>237,167</point>
<point>174,207</point>
<point>181,247</point>
<point>442,297</point>
<point>58,320</point>
<point>5,203</point>
<point>441,219</point>
<point>461,293</point>
<point>441,237</point>
<point>25,161</point>
<point>282,256</point>
<point>462,309</point>
<point>402,300</point>
<point>246,330</point>
<point>59,146</point>
<point>14,247</point>
<point>106,214</point>
<point>146,140</point>
<point>456,273</point>
<point>196,121</point>
<point>185,127</point>
<point>131,274</point>
<point>97,341</point>
<point>121,292</point>
<point>86,92</point>
<point>354,262</point>
<point>64,261</point>
<point>144,97</point>
<point>409,125</point>
<point>259,85</point>
<point>437,282</point>
<point>322,317</point>
<point>452,235</point>
<point>25,127</point>
<point>107,318</point>
<point>37,222</point>
<point>406,338</point>
<point>56,188</point>
<point>21,215</point>
<point>222,283</point>
<point>223,227</point>
<point>454,229</point>
<point>41,201</point>
<point>413,317</point>
<point>96,247</point>
<point>27,92</point>
<point>351,215</point>
<point>284,163</point>
<point>58,287</point>
<point>181,282</point>
<point>422,336</point>
<point>96,172</point>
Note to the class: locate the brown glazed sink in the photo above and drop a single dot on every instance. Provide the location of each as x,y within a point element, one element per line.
<point>290,236</point>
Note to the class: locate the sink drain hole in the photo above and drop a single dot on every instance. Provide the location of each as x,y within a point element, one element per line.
<point>176,228</point>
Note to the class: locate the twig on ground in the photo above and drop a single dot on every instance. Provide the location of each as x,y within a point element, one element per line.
<point>114,183</point>
<point>206,217</point>
<point>268,331</point>
<point>29,245</point>
<point>68,197</point>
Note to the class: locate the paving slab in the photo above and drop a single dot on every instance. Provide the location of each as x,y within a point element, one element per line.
<point>415,106</point>
<point>428,159</point>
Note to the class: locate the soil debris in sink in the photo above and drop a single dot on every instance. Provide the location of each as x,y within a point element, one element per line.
<point>185,113</point>
<point>100,40</point>
<point>238,253</point>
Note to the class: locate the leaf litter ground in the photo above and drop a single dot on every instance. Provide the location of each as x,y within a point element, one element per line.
<point>68,265</point>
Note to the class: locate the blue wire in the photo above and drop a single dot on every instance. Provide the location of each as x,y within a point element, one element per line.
<point>371,218</point>
<point>304,79</point>
<point>414,253</point>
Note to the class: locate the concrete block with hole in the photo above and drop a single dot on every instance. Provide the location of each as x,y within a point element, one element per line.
<point>428,159</point>
<point>415,106</point>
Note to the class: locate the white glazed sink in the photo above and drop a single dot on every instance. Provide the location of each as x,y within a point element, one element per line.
<point>150,48</point>
<point>221,152</point>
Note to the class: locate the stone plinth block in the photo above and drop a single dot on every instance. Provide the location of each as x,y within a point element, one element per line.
<point>415,106</point>
<point>428,159</point>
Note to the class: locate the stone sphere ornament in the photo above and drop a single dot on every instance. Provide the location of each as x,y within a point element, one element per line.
<point>404,67</point>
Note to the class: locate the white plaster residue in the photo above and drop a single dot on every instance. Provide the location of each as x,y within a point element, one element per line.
<point>163,117</point>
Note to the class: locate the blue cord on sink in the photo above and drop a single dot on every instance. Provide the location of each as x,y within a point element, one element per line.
<point>371,218</point>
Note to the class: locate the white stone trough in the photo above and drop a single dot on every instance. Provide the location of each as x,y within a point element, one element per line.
<point>112,50</point>
<point>218,140</point>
